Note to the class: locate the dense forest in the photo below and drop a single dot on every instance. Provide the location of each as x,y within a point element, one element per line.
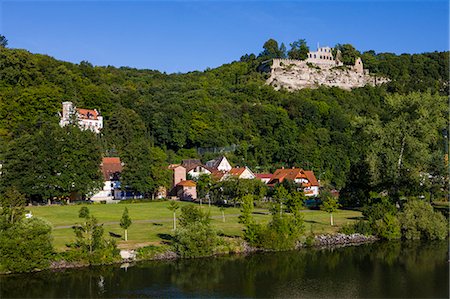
<point>388,138</point>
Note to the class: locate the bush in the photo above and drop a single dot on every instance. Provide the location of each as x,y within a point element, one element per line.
<point>282,233</point>
<point>362,227</point>
<point>195,240</point>
<point>388,227</point>
<point>378,210</point>
<point>26,246</point>
<point>196,237</point>
<point>419,221</point>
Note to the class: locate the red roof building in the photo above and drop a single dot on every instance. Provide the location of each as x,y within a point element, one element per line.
<point>304,178</point>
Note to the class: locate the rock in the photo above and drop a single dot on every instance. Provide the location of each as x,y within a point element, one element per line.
<point>296,74</point>
<point>128,254</point>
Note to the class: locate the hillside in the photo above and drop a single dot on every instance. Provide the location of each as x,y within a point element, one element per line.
<point>324,129</point>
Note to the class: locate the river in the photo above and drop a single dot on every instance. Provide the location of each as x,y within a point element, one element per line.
<point>382,270</point>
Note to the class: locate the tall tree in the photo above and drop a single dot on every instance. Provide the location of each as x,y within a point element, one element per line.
<point>299,50</point>
<point>401,144</point>
<point>271,50</point>
<point>348,53</point>
<point>54,162</point>
<point>144,169</point>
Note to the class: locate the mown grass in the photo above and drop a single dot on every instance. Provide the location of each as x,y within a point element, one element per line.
<point>152,221</point>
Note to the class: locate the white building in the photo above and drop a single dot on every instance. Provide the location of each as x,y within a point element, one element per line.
<point>87,119</point>
<point>111,168</point>
<point>220,164</point>
<point>323,56</point>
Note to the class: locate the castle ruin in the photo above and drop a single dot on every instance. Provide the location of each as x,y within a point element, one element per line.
<point>320,68</point>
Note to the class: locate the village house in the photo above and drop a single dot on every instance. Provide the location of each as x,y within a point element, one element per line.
<point>242,173</point>
<point>304,178</point>
<point>87,119</point>
<point>182,188</point>
<point>194,168</point>
<point>111,168</point>
<point>219,164</point>
<point>264,177</point>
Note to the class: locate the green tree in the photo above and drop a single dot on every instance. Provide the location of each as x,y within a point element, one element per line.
<point>125,222</point>
<point>299,50</point>
<point>12,207</point>
<point>3,41</point>
<point>26,246</point>
<point>329,205</point>
<point>348,53</point>
<point>30,164</point>
<point>271,50</point>
<point>281,195</point>
<point>144,169</point>
<point>89,234</point>
<point>174,206</point>
<point>401,148</point>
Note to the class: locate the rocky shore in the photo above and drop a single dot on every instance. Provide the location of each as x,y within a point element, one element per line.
<point>342,239</point>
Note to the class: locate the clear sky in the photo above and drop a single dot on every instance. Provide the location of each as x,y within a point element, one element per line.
<point>181,36</point>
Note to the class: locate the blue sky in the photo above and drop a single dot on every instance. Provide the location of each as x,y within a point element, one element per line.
<point>181,36</point>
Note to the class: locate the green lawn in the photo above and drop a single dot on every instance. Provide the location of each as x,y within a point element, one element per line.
<point>153,221</point>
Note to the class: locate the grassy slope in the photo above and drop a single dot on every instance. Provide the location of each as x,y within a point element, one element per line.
<point>157,221</point>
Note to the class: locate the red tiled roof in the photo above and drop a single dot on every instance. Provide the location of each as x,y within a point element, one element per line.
<point>237,171</point>
<point>187,183</point>
<point>87,113</point>
<point>293,173</point>
<point>311,177</point>
<point>110,166</point>
<point>217,174</point>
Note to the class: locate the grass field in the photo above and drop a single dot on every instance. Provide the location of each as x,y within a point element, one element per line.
<point>152,221</point>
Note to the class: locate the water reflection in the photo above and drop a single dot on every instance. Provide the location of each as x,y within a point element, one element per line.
<point>391,269</point>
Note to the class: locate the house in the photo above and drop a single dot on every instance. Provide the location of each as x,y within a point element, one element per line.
<point>195,168</point>
<point>242,173</point>
<point>111,168</point>
<point>304,178</point>
<point>178,173</point>
<point>264,177</point>
<point>182,188</point>
<point>186,190</point>
<point>86,119</point>
<point>220,164</point>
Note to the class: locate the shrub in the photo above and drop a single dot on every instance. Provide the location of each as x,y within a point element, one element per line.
<point>196,237</point>
<point>26,245</point>
<point>378,210</point>
<point>388,227</point>
<point>419,221</point>
<point>362,227</point>
<point>282,233</point>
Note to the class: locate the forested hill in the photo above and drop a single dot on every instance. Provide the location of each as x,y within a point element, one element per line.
<point>328,130</point>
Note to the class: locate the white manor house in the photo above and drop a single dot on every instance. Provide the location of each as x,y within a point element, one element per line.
<point>87,119</point>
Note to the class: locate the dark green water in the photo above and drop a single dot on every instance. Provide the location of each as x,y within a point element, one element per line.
<point>379,270</point>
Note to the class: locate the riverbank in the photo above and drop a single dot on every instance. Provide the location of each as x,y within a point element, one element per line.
<point>238,247</point>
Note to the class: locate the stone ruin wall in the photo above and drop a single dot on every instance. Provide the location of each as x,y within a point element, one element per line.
<point>293,74</point>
